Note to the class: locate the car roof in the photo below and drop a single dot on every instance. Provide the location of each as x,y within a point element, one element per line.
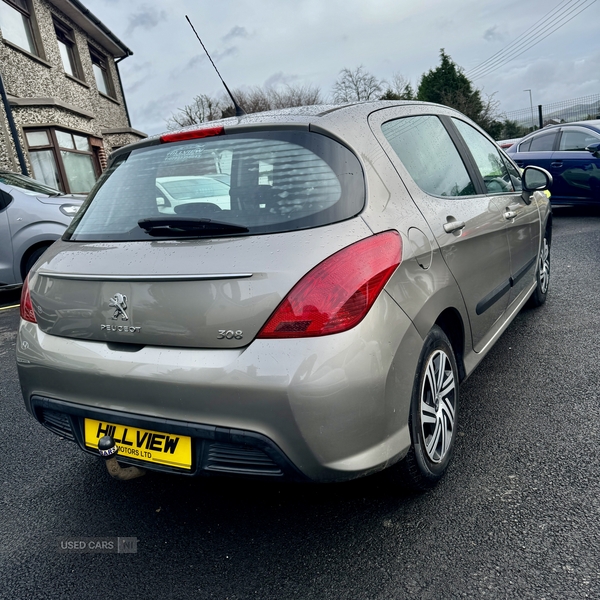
<point>294,117</point>
<point>591,124</point>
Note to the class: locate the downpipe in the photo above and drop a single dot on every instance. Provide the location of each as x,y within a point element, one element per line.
<point>109,451</point>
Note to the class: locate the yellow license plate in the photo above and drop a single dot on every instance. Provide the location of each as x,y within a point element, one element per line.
<point>152,446</point>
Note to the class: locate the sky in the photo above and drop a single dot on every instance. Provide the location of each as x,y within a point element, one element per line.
<point>308,42</point>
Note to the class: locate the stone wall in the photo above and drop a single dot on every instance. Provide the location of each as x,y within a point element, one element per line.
<point>55,98</point>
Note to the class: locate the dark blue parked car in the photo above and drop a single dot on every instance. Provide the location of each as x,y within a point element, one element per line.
<point>571,153</point>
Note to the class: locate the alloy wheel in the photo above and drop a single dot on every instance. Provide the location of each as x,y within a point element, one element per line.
<point>438,404</point>
<point>544,267</point>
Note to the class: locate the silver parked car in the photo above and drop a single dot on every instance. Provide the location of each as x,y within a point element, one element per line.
<point>32,217</point>
<point>313,325</point>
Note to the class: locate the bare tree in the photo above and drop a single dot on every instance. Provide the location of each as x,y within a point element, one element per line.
<point>258,99</point>
<point>356,85</point>
<point>398,88</point>
<point>203,108</point>
<point>299,95</point>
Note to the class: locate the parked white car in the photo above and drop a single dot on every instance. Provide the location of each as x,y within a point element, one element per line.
<point>180,191</point>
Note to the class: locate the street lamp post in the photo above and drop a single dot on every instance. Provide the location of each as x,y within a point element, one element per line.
<point>531,106</point>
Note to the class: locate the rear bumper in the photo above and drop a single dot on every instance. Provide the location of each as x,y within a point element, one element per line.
<point>215,450</point>
<point>323,409</point>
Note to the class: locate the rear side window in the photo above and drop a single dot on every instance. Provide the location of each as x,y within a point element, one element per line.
<point>524,147</point>
<point>265,182</point>
<point>543,143</point>
<point>429,155</point>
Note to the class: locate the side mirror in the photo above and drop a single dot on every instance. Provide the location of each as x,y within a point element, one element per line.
<point>536,178</point>
<point>594,149</point>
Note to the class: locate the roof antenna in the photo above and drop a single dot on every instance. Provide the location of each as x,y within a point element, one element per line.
<point>239,111</point>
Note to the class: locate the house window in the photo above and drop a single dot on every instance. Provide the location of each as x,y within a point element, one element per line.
<point>68,49</point>
<point>62,159</point>
<point>15,23</point>
<point>101,73</point>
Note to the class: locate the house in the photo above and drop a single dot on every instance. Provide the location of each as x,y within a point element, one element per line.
<point>63,109</point>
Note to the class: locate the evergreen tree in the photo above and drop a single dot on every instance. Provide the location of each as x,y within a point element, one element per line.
<point>448,85</point>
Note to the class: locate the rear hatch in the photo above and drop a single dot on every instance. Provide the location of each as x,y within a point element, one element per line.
<point>191,269</point>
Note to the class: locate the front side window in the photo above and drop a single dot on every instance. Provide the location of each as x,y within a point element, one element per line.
<point>68,49</point>
<point>15,23</point>
<point>573,140</point>
<point>514,173</point>
<point>429,155</point>
<point>62,159</point>
<point>487,157</point>
<point>264,182</point>
<point>101,73</point>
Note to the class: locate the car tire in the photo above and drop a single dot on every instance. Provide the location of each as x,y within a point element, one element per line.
<point>32,259</point>
<point>542,274</point>
<point>432,421</point>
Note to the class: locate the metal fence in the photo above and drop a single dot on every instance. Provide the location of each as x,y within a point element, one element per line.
<point>520,122</point>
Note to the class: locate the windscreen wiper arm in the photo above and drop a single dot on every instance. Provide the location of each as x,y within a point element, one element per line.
<point>166,226</point>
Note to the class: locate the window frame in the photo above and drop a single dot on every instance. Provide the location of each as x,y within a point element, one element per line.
<point>56,151</point>
<point>100,60</point>
<point>66,36</point>
<point>25,8</point>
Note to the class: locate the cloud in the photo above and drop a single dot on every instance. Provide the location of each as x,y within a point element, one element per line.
<point>236,32</point>
<point>279,79</point>
<point>221,54</point>
<point>146,18</point>
<point>217,55</point>
<point>153,115</point>
<point>196,60</point>
<point>493,35</point>
<point>136,74</point>
<point>190,68</point>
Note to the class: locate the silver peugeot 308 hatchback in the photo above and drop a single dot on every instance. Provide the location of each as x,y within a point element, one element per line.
<point>289,295</point>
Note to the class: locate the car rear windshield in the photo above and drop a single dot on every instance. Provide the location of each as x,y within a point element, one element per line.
<point>253,183</point>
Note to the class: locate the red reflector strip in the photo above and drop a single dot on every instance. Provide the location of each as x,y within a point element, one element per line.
<point>192,134</point>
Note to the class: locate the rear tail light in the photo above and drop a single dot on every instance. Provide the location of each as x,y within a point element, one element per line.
<point>26,308</point>
<point>192,134</point>
<point>338,293</point>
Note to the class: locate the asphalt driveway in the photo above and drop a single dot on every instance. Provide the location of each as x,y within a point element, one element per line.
<point>515,517</point>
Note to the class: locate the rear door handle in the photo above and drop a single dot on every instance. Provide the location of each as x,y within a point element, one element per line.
<point>451,226</point>
<point>556,165</point>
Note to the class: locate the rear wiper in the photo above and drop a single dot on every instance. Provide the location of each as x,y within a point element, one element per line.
<point>168,226</point>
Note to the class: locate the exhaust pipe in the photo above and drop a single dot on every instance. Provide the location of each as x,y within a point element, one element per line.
<point>108,450</point>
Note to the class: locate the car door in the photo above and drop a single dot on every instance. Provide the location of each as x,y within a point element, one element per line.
<point>469,227</point>
<point>6,250</point>
<point>576,172</point>
<point>537,150</point>
<point>503,184</point>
